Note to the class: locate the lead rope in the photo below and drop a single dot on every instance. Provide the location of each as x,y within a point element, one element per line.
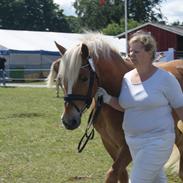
<point>90,131</point>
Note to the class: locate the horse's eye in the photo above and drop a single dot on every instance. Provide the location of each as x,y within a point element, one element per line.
<point>83,78</point>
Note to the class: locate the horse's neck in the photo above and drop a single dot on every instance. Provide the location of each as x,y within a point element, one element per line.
<point>111,75</point>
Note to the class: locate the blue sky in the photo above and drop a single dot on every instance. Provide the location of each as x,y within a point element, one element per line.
<point>172,9</point>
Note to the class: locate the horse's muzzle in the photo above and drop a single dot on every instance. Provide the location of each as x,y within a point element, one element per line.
<point>71,124</point>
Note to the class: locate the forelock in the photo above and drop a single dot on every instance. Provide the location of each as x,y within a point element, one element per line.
<point>70,64</point>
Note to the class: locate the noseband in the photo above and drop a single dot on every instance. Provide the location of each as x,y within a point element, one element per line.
<point>70,98</point>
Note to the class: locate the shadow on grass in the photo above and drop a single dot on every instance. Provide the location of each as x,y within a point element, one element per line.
<point>79,178</point>
<point>8,87</point>
<point>25,115</point>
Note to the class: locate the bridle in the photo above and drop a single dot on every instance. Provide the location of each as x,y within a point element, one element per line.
<point>87,99</point>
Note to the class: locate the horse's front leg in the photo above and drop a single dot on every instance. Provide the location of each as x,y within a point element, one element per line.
<point>118,170</point>
<point>114,142</point>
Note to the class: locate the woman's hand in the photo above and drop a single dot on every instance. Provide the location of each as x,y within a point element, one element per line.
<point>102,92</point>
<point>108,99</point>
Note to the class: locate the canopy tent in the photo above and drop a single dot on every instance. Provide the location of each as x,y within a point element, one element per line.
<point>36,40</point>
<point>36,49</point>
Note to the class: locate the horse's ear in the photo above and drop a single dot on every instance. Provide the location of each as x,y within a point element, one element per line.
<point>84,51</point>
<point>60,48</point>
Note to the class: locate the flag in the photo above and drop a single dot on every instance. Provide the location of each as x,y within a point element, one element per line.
<point>102,2</point>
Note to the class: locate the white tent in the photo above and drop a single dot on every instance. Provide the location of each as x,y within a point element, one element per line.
<point>26,50</point>
<point>36,40</point>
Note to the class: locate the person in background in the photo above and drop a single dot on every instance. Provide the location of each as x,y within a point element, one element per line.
<point>2,70</point>
<point>147,97</point>
<point>161,57</point>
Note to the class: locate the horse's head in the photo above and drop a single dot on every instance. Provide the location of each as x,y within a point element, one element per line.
<point>79,83</point>
<point>79,79</point>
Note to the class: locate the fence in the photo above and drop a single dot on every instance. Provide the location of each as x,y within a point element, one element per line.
<point>23,74</point>
<point>20,74</point>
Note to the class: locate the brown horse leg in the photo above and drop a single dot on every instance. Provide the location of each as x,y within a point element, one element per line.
<point>124,160</point>
<point>114,142</point>
<point>57,90</point>
<point>113,177</point>
<point>57,86</point>
<point>112,150</point>
<point>118,170</point>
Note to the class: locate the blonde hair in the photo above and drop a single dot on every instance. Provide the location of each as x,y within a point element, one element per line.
<point>147,40</point>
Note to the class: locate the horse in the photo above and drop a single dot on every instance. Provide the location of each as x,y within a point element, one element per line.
<point>95,63</point>
<point>52,76</point>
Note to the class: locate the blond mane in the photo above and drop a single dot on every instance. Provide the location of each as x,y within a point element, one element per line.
<point>71,61</point>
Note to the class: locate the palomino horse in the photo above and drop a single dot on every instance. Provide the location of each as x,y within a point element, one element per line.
<point>91,64</point>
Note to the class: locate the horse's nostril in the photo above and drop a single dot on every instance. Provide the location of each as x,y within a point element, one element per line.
<point>73,122</point>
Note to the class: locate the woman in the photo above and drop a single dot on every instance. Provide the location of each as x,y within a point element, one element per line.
<point>147,96</point>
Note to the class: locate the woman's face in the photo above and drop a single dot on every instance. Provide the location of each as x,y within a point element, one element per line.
<point>138,54</point>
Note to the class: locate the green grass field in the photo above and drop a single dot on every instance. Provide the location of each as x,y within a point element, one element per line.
<point>35,148</point>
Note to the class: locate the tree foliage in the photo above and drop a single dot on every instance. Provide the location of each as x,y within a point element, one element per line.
<point>114,28</point>
<point>74,24</point>
<point>177,23</point>
<point>45,15</point>
<point>94,16</point>
<point>145,10</point>
<point>32,15</point>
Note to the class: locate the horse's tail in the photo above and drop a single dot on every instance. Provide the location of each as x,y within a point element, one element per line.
<point>52,75</point>
<point>174,161</point>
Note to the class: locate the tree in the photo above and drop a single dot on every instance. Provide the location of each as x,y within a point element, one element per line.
<point>145,10</point>
<point>74,24</point>
<point>177,23</point>
<point>114,28</point>
<point>94,16</point>
<point>32,15</point>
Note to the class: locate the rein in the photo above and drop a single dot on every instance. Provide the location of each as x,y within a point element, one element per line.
<point>89,131</point>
